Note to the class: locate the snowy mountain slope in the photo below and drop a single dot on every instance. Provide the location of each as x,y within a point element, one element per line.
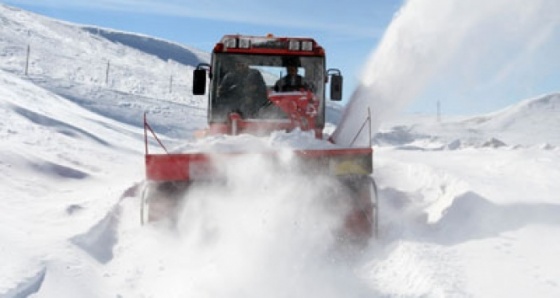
<point>475,221</point>
<point>162,49</point>
<point>97,67</point>
<point>538,117</point>
<point>531,122</point>
<point>21,28</point>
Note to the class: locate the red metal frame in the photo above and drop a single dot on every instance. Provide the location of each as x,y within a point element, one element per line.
<point>198,166</point>
<point>192,166</point>
<point>317,50</point>
<point>301,107</point>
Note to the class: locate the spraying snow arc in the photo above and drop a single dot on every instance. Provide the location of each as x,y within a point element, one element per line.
<point>428,40</point>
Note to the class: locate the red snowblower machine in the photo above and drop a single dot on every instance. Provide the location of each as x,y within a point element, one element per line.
<point>258,85</point>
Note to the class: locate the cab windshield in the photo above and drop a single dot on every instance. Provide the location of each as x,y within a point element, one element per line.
<point>241,83</point>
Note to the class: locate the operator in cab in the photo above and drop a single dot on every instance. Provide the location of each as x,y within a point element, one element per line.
<point>243,89</point>
<point>292,81</point>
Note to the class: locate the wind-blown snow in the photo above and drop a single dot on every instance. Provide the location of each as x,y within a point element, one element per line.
<point>469,206</point>
<point>433,42</point>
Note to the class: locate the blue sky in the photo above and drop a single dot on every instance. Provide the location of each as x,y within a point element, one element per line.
<point>491,65</point>
<point>349,32</point>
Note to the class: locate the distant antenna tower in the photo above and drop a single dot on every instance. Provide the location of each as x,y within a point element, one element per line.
<point>438,111</point>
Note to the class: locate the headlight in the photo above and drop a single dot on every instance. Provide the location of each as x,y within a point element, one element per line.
<point>294,45</point>
<point>244,43</point>
<point>230,43</point>
<point>306,46</point>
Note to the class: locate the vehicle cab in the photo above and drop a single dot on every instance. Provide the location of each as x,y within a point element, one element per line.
<point>244,74</point>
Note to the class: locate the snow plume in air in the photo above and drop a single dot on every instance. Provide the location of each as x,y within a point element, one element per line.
<point>429,39</point>
<point>267,229</point>
<point>266,233</point>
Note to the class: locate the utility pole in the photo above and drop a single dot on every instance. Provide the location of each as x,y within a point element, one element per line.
<point>27,59</point>
<point>171,84</point>
<point>107,73</point>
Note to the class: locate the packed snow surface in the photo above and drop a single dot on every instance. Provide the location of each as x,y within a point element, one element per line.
<point>469,207</point>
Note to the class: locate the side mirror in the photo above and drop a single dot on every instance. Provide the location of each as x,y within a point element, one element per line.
<point>199,79</point>
<point>199,82</point>
<point>336,84</point>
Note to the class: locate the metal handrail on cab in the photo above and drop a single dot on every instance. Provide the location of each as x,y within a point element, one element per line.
<point>146,128</point>
<point>367,121</point>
